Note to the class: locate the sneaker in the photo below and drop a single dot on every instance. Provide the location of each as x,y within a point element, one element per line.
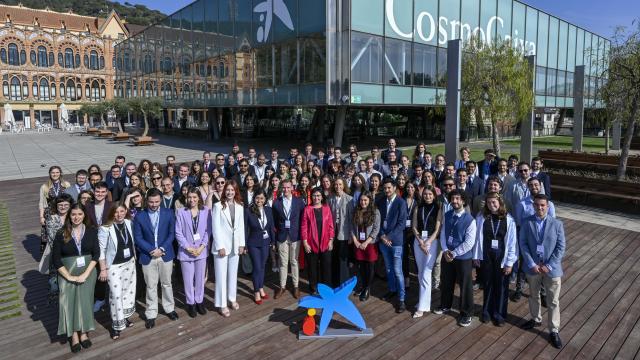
<point>441,310</point>
<point>464,321</point>
<point>97,306</point>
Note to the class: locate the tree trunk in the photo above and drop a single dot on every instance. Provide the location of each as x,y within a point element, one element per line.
<point>606,139</point>
<point>624,154</point>
<point>495,137</point>
<point>146,124</point>
<point>120,129</point>
<point>104,125</point>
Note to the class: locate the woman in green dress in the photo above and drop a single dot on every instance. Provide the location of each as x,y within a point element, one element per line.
<point>75,253</point>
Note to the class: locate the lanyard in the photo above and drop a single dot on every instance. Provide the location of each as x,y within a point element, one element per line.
<point>78,240</point>
<point>56,188</point>
<point>263,219</point>
<point>164,201</point>
<point>425,219</point>
<point>284,208</point>
<point>124,233</point>
<point>494,229</point>
<point>194,223</point>
<point>540,233</point>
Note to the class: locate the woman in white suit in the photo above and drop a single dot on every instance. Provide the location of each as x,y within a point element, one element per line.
<point>118,267</point>
<point>228,245</point>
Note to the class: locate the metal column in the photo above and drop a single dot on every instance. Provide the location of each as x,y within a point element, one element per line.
<point>454,77</point>
<point>578,107</point>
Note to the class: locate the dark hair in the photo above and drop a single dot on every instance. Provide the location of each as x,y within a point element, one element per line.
<point>541,197</point>
<point>502,210</point>
<point>253,207</point>
<point>461,170</point>
<point>537,158</point>
<point>532,179</point>
<point>141,166</point>
<point>457,192</point>
<point>321,192</point>
<point>64,197</point>
<point>121,157</point>
<point>513,157</point>
<point>85,192</point>
<point>211,180</point>
<point>471,162</point>
<point>68,227</point>
<point>114,167</point>
<point>523,163</point>
<point>494,178</point>
<point>82,172</point>
<point>436,199</point>
<point>365,217</point>
<point>138,190</point>
<point>255,181</point>
<point>101,185</point>
<point>185,165</point>
<point>94,166</point>
<point>129,164</point>
<point>192,190</point>
<point>193,164</point>
<point>389,181</point>
<point>153,192</point>
<point>111,215</point>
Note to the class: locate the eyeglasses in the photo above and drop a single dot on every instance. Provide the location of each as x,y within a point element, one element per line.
<point>448,185</point>
<point>244,166</point>
<point>220,182</point>
<point>524,170</point>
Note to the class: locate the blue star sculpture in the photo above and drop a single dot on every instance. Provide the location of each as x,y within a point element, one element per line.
<point>334,300</point>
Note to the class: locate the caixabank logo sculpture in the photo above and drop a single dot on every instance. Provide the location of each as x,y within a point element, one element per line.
<point>268,8</point>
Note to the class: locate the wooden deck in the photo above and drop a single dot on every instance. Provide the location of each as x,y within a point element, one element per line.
<point>600,306</point>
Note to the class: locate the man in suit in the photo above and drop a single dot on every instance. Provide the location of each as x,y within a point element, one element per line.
<point>171,162</point>
<point>182,177</point>
<point>222,168</point>
<point>391,149</point>
<point>274,163</point>
<point>337,155</point>
<point>393,214</point>
<point>321,160</point>
<point>154,233</point>
<point>120,159</point>
<point>245,170</point>
<point>287,213</point>
<point>475,182</point>
<point>80,185</point>
<point>542,244</point>
<point>418,171</point>
<point>462,184</point>
<point>489,165</point>
<point>493,185</point>
<point>503,174</point>
<point>97,213</point>
<point>169,197</point>
<point>377,161</point>
<point>260,167</point>
<point>308,153</point>
<point>536,167</point>
<point>457,239</point>
<point>207,164</point>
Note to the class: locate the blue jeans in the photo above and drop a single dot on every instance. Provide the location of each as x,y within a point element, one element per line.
<point>393,263</point>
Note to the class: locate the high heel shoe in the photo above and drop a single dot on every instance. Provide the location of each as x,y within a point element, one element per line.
<point>258,302</point>
<point>364,295</point>
<point>265,296</point>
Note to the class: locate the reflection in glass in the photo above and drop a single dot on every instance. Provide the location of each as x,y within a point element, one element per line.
<point>397,60</point>
<point>366,58</point>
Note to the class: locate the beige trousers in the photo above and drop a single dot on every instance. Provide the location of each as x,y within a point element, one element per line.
<point>158,270</point>
<point>288,253</point>
<point>552,289</point>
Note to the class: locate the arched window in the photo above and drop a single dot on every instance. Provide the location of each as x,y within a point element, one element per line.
<point>23,57</point>
<point>71,90</point>
<point>3,55</point>
<point>5,89</point>
<point>86,61</point>
<point>148,64</point>
<point>221,69</point>
<point>78,91</point>
<point>127,63</point>
<point>44,89</point>
<point>77,61</point>
<point>25,90</point>
<point>14,56</point>
<point>93,60</point>
<point>168,66</point>
<point>60,59</point>
<point>166,91</point>
<point>51,59</point>
<point>103,92</point>
<point>95,91</point>
<point>147,89</point>
<point>34,89</point>
<point>53,90</point>
<point>16,93</point>
<point>32,55</point>
<point>68,58</point>
<point>101,62</point>
<point>42,57</point>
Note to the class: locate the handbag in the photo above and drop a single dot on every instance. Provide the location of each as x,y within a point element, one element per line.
<point>246,264</point>
<point>45,261</point>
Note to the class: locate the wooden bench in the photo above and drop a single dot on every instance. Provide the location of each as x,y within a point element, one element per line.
<point>92,131</point>
<point>633,161</point>
<point>144,141</point>
<point>595,167</point>
<point>104,134</point>
<point>121,136</point>
<point>605,194</point>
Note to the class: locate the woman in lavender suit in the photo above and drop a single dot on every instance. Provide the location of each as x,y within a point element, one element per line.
<point>193,228</point>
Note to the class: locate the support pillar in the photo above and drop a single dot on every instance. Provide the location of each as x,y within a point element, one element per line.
<point>578,107</point>
<point>526,128</point>
<point>617,134</point>
<point>216,124</point>
<point>32,115</point>
<point>452,122</point>
<point>338,130</point>
<point>322,115</point>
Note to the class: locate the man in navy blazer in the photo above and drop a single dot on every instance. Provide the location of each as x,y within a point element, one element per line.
<point>182,177</point>
<point>207,164</point>
<point>154,234</point>
<point>392,149</point>
<point>536,172</point>
<point>542,245</point>
<point>287,213</point>
<point>393,214</point>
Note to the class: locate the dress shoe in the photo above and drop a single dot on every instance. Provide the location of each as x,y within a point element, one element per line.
<point>278,293</point>
<point>499,323</point>
<point>86,343</point>
<point>516,296</point>
<point>364,294</point>
<point>75,348</point>
<point>401,307</point>
<point>191,311</point>
<point>531,324</point>
<point>201,309</point>
<point>296,293</point>
<point>173,316</point>
<point>543,301</point>
<point>484,318</point>
<point>150,323</point>
<point>390,295</point>
<point>464,321</point>
<point>554,338</point>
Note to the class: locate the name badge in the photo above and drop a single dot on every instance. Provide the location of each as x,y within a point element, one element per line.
<point>80,262</point>
<point>424,235</point>
<point>363,236</point>
<point>126,253</point>
<point>407,223</point>
<point>196,237</point>
<point>540,250</point>
<point>450,240</point>
<point>287,224</point>
<point>384,225</point>
<point>265,234</point>
<point>494,244</point>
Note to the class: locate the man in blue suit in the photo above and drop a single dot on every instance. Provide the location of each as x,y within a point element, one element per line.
<point>287,213</point>
<point>154,233</point>
<point>182,177</point>
<point>393,214</point>
<point>542,246</point>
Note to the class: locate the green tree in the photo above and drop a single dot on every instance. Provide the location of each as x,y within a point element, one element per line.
<point>496,84</point>
<point>95,110</point>
<point>120,108</point>
<point>147,107</point>
<point>621,92</point>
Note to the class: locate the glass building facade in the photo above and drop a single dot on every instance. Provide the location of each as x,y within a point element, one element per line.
<point>265,53</point>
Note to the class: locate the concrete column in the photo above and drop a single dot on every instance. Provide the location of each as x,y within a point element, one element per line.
<point>216,123</point>
<point>32,114</point>
<point>526,128</point>
<point>578,107</point>
<point>341,115</point>
<point>617,134</point>
<point>454,77</point>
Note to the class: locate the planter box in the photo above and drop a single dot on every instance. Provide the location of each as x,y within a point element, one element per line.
<point>144,140</point>
<point>605,194</point>
<point>591,158</point>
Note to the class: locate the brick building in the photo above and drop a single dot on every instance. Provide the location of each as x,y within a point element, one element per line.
<point>49,58</point>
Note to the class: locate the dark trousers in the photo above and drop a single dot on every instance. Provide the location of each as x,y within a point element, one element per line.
<point>496,288</point>
<point>259,257</point>
<point>457,271</point>
<point>100,290</point>
<point>340,262</point>
<point>365,273</point>
<point>319,268</point>
<point>408,260</point>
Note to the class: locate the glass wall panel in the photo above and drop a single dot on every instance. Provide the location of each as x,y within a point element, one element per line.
<point>286,63</point>
<point>285,21</point>
<point>580,48</point>
<point>400,24</point>
<point>587,53</point>
<point>245,35</point>
<point>426,14</point>
<point>543,38</point>
<point>449,21</point>
<point>561,87</point>
<point>312,60</point>
<point>541,80</point>
<point>312,17</point>
<point>571,48</point>
<point>569,84</point>
<point>368,16</point>
<point>424,65</point>
<point>470,17</point>
<point>264,67</point>
<point>552,59</point>
<point>518,25</point>
<point>551,82</point>
<point>397,60</point>
<point>488,9</point>
<point>442,68</point>
<point>562,45</point>
<point>531,37</point>
<point>366,58</point>
<point>504,13</point>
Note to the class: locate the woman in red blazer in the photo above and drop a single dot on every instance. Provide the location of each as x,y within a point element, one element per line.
<point>317,239</point>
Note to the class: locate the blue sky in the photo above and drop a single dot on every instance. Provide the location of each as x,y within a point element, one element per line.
<point>599,16</point>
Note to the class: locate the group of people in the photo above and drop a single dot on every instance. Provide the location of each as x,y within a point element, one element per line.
<point>334,216</point>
